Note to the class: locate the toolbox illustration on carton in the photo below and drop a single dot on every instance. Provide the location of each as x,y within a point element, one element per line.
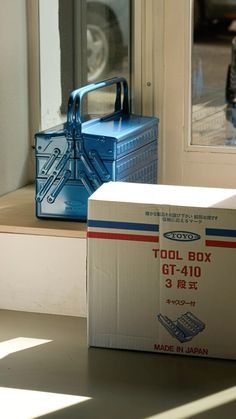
<point>184,328</point>
<point>74,159</point>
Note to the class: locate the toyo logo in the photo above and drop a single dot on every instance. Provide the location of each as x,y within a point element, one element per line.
<point>182,236</point>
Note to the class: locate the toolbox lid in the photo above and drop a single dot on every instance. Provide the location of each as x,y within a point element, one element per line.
<point>118,128</point>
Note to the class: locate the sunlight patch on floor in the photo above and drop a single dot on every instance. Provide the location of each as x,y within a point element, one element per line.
<point>191,409</point>
<point>28,404</point>
<point>10,346</point>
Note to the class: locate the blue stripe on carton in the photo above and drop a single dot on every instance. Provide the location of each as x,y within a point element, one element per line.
<point>220,232</point>
<point>123,225</point>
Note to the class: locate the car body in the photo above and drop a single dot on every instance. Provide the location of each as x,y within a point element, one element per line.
<point>214,11</point>
<point>118,9</point>
<point>219,9</point>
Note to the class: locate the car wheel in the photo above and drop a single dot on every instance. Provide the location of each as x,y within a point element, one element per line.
<point>102,38</point>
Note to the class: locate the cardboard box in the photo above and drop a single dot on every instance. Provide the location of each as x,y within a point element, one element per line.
<point>162,269</point>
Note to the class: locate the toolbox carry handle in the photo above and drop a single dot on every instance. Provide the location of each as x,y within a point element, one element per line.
<point>76,96</point>
<point>99,85</point>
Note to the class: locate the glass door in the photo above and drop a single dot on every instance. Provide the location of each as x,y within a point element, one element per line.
<point>214,73</point>
<point>198,94</point>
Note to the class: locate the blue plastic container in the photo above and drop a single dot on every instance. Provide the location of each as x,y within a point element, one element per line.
<point>74,159</point>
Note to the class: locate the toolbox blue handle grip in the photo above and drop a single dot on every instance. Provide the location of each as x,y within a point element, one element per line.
<point>77,95</point>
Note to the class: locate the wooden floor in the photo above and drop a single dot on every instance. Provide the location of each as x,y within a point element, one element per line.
<point>17,215</point>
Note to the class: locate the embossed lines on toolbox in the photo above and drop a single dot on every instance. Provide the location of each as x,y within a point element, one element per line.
<point>136,142</point>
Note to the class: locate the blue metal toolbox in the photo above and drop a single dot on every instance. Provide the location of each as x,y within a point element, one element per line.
<point>74,159</point>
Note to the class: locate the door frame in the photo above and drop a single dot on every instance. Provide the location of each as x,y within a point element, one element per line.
<point>183,163</point>
<point>160,85</point>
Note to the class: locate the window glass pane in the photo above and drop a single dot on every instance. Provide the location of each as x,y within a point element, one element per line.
<point>108,47</point>
<point>94,45</point>
<point>214,73</point>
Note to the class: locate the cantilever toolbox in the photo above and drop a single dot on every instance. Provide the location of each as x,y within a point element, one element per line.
<point>74,159</point>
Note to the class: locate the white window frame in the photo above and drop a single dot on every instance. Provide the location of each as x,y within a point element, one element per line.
<point>161,85</point>
<point>147,56</point>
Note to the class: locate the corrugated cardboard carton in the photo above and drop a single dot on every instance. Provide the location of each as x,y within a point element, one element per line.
<point>162,269</point>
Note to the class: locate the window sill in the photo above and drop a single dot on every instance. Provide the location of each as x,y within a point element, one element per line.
<point>17,215</point>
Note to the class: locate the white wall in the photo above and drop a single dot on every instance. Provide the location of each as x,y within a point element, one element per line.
<point>14,123</point>
<point>43,274</point>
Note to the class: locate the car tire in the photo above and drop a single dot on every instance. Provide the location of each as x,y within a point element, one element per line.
<point>103,44</point>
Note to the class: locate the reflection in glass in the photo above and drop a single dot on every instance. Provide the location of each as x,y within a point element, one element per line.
<point>214,73</point>
<point>108,43</point>
<point>94,45</point>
